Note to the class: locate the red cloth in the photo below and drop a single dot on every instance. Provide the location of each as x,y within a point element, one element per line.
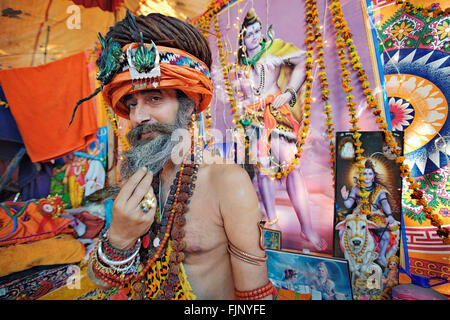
<point>93,224</point>
<point>42,99</point>
<point>105,5</point>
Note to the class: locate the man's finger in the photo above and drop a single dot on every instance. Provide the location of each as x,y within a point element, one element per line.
<point>141,190</point>
<point>128,188</point>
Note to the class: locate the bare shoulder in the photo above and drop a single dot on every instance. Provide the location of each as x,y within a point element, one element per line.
<point>229,182</point>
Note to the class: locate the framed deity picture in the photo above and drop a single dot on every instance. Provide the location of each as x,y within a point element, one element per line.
<point>317,277</point>
<point>369,242</point>
<point>272,239</point>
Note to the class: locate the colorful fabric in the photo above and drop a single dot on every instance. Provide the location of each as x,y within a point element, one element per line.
<point>415,59</point>
<point>22,222</point>
<point>41,100</point>
<point>61,249</point>
<point>179,70</point>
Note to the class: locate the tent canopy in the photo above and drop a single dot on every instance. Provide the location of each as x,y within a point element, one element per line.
<point>36,31</point>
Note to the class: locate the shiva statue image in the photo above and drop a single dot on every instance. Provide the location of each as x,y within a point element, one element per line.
<point>270,81</point>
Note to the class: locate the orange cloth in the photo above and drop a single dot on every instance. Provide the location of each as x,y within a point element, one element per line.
<point>41,100</point>
<point>60,249</point>
<point>196,85</point>
<point>270,123</point>
<point>22,222</point>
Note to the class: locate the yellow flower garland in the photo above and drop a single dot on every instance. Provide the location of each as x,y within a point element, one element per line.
<point>115,127</point>
<point>313,24</point>
<point>344,34</point>
<point>425,11</point>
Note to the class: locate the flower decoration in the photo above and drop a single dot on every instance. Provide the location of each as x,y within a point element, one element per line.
<point>401,31</point>
<point>443,30</point>
<point>400,112</point>
<point>52,206</point>
<point>312,18</point>
<point>433,9</point>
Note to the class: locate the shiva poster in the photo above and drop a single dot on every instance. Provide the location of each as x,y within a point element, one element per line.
<point>321,277</point>
<point>370,242</point>
<point>258,74</point>
<point>415,52</point>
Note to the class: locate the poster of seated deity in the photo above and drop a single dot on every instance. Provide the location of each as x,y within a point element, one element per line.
<point>369,242</point>
<point>259,72</point>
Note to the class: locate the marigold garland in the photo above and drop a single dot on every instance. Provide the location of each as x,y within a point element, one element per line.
<point>430,10</point>
<point>345,41</point>
<point>312,18</point>
<point>115,127</point>
<point>211,13</point>
<point>203,24</point>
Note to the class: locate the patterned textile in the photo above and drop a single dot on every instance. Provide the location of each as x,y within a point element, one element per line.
<point>35,285</point>
<point>180,60</point>
<point>415,56</point>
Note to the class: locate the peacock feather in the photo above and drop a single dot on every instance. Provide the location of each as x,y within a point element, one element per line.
<point>145,57</point>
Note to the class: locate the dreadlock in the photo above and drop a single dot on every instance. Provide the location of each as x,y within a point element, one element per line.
<point>162,30</point>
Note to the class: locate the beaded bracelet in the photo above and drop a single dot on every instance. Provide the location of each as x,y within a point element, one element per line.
<point>110,262</point>
<point>113,250</point>
<point>294,96</point>
<point>106,271</point>
<point>256,294</point>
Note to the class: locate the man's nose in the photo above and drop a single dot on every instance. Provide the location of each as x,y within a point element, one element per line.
<point>142,113</point>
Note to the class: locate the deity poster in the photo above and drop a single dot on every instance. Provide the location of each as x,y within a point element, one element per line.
<point>259,55</point>
<point>370,243</point>
<point>320,278</point>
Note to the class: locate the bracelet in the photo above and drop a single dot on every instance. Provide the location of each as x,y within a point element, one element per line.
<point>244,256</point>
<point>256,294</point>
<point>123,253</point>
<point>110,262</point>
<point>293,95</point>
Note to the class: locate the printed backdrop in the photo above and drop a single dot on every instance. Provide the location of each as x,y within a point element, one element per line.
<point>415,55</point>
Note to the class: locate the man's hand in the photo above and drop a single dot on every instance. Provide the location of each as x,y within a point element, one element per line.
<point>129,221</point>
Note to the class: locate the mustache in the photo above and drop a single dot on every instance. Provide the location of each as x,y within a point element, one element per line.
<point>134,135</point>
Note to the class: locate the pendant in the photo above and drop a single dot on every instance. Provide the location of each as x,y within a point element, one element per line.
<point>156,242</point>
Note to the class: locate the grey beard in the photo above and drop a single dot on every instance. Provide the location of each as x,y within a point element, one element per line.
<point>155,153</point>
<point>152,154</point>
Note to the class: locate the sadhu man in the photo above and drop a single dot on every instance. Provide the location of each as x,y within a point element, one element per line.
<point>181,228</point>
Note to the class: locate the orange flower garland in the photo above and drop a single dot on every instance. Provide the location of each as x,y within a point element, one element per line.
<point>211,13</point>
<point>425,11</point>
<point>204,24</point>
<point>115,127</point>
<point>343,32</point>
<point>312,18</point>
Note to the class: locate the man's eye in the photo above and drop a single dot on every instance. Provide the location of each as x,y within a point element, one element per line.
<point>131,105</point>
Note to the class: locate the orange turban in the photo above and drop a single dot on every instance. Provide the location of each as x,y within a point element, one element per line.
<point>179,70</point>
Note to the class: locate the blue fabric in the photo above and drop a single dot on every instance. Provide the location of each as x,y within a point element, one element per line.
<point>108,211</point>
<point>8,126</point>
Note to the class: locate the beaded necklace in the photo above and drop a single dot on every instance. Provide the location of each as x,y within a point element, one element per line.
<point>171,225</point>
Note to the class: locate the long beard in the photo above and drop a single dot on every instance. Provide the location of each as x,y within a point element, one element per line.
<point>152,153</point>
